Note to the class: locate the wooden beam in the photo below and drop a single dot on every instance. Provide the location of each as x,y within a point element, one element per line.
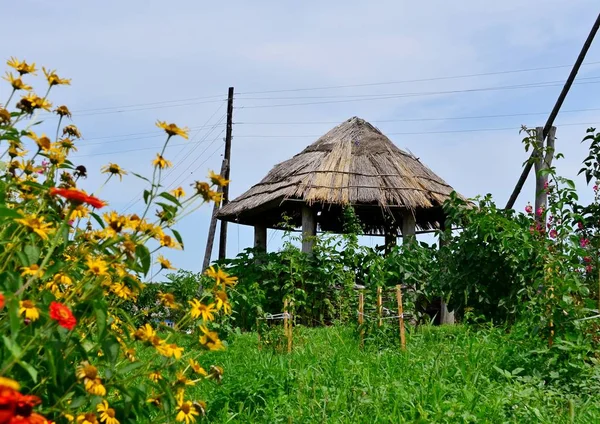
<point>309,228</point>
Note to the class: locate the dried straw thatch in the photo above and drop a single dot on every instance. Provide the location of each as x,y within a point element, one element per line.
<point>354,163</point>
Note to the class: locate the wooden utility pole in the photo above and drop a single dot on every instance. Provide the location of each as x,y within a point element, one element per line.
<point>543,161</point>
<point>555,110</point>
<point>213,226</point>
<point>227,157</point>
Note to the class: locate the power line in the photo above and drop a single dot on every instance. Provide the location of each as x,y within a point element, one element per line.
<point>448,118</point>
<point>147,134</point>
<point>331,87</point>
<point>420,94</point>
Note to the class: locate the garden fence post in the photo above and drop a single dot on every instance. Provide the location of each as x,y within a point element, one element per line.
<point>400,317</point>
<point>361,301</point>
<point>286,325</point>
<point>379,307</point>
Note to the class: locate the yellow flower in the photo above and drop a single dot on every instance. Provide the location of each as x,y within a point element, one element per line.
<point>56,157</point>
<point>17,83</point>
<point>72,131</point>
<point>7,382</point>
<point>89,418</point>
<point>85,371</point>
<point>114,169</point>
<point>33,270</point>
<point>178,192</point>
<point>182,380</point>
<point>121,290</point>
<point>155,376</point>
<point>43,142</point>
<point>67,145</point>
<point>97,266</point>
<point>95,387</point>
<point>37,225</point>
<point>80,211</point>
<point>115,221</point>
<point>63,111</point>
<point>27,308</point>
<point>186,410</point>
<point>168,241</point>
<point>222,302</point>
<point>161,162</point>
<point>4,116</point>
<point>146,332</point>
<point>216,372</point>
<point>168,350</point>
<point>217,180</point>
<point>197,367</point>
<point>221,277</point>
<point>210,339</point>
<point>107,414</point>
<point>168,300</point>
<point>63,279</point>
<point>16,150</point>
<point>172,129</point>
<point>54,79</point>
<point>201,310</point>
<point>21,67</point>
<point>31,102</point>
<point>164,263</point>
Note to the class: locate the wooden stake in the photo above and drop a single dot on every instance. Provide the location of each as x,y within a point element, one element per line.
<point>361,318</point>
<point>401,317</point>
<point>286,323</point>
<point>379,307</point>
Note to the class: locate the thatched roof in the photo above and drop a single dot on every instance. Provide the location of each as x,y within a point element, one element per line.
<point>354,163</point>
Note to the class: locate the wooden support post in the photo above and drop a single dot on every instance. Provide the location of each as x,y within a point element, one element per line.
<point>309,228</point>
<point>361,317</point>
<point>210,240</point>
<point>227,157</point>
<point>379,306</point>
<point>401,316</point>
<point>260,237</point>
<point>543,161</point>
<point>408,227</point>
<point>287,325</point>
<point>446,316</point>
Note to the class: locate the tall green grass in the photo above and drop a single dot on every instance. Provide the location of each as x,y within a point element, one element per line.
<point>447,375</point>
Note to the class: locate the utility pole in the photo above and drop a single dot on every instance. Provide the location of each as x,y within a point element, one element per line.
<point>555,110</point>
<point>543,161</point>
<point>227,157</point>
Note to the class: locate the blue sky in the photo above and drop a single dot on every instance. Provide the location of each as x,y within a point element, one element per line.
<point>134,62</point>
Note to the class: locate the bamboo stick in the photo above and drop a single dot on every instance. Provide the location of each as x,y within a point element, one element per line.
<point>258,333</point>
<point>379,307</point>
<point>361,318</point>
<point>401,317</point>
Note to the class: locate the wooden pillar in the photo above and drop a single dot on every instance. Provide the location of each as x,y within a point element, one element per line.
<point>543,161</point>
<point>260,237</point>
<point>309,228</point>
<point>446,316</point>
<point>408,227</point>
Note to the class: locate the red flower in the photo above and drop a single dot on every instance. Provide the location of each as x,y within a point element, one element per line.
<point>553,233</point>
<point>584,242</point>
<point>588,268</point>
<point>63,315</point>
<point>1,301</point>
<point>580,225</point>
<point>77,196</point>
<point>587,259</point>
<point>528,208</point>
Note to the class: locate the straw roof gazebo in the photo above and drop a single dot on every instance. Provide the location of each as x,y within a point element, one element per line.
<point>352,164</point>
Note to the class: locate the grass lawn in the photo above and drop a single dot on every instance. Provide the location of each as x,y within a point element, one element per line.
<point>447,375</point>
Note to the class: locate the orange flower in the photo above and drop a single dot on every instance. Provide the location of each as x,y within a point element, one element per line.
<point>63,315</point>
<point>77,196</point>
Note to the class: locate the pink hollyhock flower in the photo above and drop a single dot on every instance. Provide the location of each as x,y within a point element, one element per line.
<point>595,188</point>
<point>539,211</point>
<point>580,225</point>
<point>584,242</point>
<point>588,268</point>
<point>529,208</point>
<point>553,233</point>
<point>587,259</point>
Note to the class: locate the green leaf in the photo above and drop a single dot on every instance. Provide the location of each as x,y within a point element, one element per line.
<point>143,254</point>
<point>12,347</point>
<point>146,196</point>
<point>111,348</point>
<point>32,371</point>
<point>97,219</point>
<point>99,309</point>
<point>130,367</point>
<point>177,237</point>
<point>141,176</point>
<point>13,316</point>
<point>10,213</point>
<point>33,253</point>
<point>170,197</point>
